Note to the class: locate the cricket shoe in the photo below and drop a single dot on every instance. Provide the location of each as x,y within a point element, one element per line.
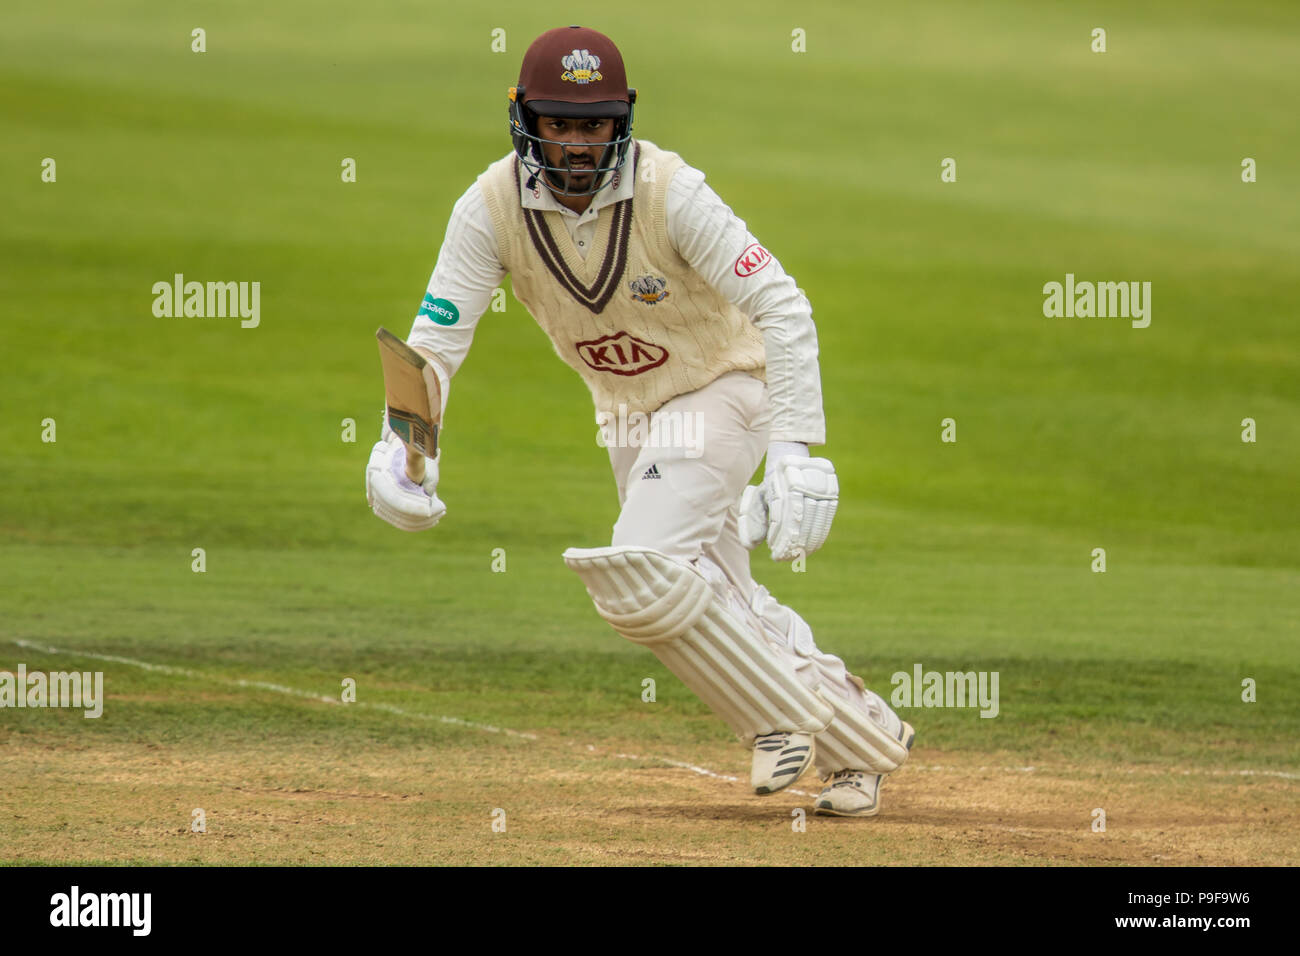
<point>856,793</point>
<point>779,760</point>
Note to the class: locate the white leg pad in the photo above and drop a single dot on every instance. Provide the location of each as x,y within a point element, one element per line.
<point>668,606</point>
<point>861,741</point>
<point>865,732</point>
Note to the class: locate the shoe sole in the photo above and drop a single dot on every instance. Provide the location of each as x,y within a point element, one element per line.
<point>826,811</point>
<point>907,736</point>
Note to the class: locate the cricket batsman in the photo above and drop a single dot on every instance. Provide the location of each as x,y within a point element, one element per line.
<point>653,291</point>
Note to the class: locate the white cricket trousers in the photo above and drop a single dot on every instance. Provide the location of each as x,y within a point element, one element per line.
<point>680,479</point>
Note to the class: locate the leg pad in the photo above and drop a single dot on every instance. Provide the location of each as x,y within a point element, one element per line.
<point>667,605</point>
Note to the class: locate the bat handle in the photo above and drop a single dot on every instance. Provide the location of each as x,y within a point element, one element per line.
<point>415,465</point>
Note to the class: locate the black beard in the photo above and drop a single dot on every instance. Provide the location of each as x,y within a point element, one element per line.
<point>556,180</point>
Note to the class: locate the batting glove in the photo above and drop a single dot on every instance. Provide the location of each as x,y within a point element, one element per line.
<point>395,497</point>
<point>793,507</point>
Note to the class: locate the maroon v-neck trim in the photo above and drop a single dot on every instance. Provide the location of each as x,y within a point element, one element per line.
<point>596,296</point>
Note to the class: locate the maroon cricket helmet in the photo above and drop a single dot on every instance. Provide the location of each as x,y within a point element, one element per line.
<point>577,73</point>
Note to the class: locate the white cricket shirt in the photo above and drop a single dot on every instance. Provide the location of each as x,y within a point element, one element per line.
<point>702,229</point>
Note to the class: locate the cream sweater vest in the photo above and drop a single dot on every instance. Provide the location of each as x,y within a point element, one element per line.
<point>633,319</point>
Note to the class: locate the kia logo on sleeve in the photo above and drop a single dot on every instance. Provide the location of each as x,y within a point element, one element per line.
<point>752,260</point>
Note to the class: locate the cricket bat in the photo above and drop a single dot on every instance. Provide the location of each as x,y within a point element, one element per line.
<point>414,398</point>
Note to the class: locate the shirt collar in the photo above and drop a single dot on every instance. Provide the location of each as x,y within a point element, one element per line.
<point>620,189</point>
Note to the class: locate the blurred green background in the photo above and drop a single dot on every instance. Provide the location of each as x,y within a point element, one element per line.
<point>1073,434</point>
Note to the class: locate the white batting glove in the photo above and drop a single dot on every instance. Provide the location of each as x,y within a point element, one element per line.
<point>395,497</point>
<point>794,505</point>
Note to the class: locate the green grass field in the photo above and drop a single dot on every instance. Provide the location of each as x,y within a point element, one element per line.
<point>1122,690</point>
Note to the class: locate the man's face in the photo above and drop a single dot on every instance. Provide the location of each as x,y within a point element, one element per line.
<point>575,137</point>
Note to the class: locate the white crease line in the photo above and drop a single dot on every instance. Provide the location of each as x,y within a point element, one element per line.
<point>976,769</point>
<point>702,771</point>
<point>684,766</point>
<point>1184,773</point>
<point>390,708</point>
<point>278,688</point>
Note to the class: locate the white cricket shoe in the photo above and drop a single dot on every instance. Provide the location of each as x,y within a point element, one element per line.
<point>856,793</point>
<point>779,760</point>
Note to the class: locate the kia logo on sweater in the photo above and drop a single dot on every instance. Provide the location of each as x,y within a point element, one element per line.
<point>622,354</point>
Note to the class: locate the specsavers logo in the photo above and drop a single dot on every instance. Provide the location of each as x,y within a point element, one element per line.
<point>439,310</point>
